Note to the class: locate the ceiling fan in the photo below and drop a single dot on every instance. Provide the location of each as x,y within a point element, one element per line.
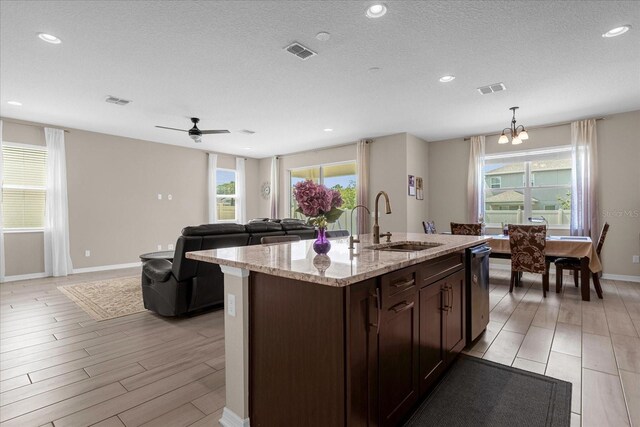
<point>194,132</point>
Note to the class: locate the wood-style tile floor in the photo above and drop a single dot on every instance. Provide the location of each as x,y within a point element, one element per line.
<point>59,367</point>
<point>594,345</point>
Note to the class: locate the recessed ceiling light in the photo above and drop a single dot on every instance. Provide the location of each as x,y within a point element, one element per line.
<point>49,38</point>
<point>15,103</point>
<point>246,148</point>
<point>323,36</point>
<point>447,79</point>
<point>618,31</point>
<point>328,130</point>
<point>376,10</point>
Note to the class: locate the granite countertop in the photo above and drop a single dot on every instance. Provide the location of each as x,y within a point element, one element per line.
<point>341,266</point>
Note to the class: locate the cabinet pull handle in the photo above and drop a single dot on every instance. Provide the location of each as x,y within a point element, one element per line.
<point>402,306</point>
<point>403,284</point>
<point>451,299</point>
<point>378,310</point>
<point>445,289</point>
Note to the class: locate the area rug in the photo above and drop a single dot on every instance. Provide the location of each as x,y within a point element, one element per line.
<point>107,299</point>
<point>478,392</point>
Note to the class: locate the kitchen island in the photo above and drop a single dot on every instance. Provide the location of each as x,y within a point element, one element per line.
<point>354,338</point>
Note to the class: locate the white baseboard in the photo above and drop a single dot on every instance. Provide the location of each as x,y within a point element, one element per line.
<point>25,277</point>
<point>75,271</point>
<point>106,267</point>
<point>231,419</point>
<point>621,277</point>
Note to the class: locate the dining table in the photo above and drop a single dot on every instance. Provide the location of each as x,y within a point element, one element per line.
<point>579,247</point>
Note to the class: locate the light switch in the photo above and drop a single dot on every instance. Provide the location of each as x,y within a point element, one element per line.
<point>159,247</point>
<point>170,246</point>
<point>231,305</point>
<point>87,253</point>
<point>159,196</point>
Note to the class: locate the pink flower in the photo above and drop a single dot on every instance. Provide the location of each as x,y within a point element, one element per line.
<point>315,199</point>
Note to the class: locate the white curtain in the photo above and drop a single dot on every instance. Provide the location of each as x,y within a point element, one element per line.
<point>241,191</point>
<point>275,185</point>
<point>2,271</point>
<point>475,182</point>
<point>584,206</point>
<point>57,254</point>
<point>211,186</point>
<point>362,196</point>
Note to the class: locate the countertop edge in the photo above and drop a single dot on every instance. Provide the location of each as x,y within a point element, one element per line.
<point>331,281</point>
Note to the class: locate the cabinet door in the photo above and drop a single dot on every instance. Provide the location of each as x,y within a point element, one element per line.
<point>398,355</point>
<point>455,314</point>
<point>432,354</point>
<point>362,384</point>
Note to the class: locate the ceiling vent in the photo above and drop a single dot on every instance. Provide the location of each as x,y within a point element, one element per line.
<point>300,51</point>
<point>496,87</point>
<point>247,132</point>
<point>118,101</point>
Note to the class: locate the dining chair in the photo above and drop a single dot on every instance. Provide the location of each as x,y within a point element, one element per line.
<point>279,239</point>
<point>528,243</point>
<point>573,264</point>
<point>337,233</point>
<point>429,227</point>
<point>466,229</point>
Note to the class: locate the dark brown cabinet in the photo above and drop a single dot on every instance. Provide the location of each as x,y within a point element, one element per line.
<point>370,350</point>
<point>398,346</point>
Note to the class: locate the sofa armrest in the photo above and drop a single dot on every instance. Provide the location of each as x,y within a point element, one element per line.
<point>158,270</point>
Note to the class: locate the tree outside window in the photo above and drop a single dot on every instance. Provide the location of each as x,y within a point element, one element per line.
<point>226,195</point>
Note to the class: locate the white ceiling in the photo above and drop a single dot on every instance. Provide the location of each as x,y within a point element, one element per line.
<point>224,62</point>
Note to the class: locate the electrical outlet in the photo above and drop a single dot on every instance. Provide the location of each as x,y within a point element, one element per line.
<point>636,259</point>
<point>87,253</point>
<point>159,196</point>
<point>231,305</point>
<point>170,246</point>
<point>169,197</point>
<point>159,247</point>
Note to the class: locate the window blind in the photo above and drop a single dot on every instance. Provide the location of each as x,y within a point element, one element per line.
<point>23,186</point>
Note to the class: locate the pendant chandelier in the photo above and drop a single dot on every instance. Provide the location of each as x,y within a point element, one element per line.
<point>518,133</point>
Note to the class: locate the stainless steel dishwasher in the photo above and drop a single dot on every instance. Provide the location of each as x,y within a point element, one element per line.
<point>477,281</point>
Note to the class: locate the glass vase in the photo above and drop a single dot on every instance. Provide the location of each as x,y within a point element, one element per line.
<point>322,245</point>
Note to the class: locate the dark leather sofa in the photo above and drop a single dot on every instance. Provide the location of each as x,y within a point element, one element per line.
<point>184,285</point>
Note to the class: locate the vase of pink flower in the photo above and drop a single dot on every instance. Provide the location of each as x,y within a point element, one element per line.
<point>321,206</point>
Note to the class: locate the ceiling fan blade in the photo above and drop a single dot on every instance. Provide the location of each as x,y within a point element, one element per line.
<point>208,132</point>
<point>164,127</point>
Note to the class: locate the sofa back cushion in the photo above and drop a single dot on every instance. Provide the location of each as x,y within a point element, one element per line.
<point>184,268</point>
<point>213,229</point>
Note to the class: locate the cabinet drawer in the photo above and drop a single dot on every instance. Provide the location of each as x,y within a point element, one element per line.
<point>397,283</point>
<point>439,268</point>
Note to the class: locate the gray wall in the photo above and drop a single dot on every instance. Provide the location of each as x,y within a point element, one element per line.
<point>112,184</point>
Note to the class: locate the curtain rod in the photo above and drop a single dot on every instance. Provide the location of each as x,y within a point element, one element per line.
<point>32,125</point>
<point>366,140</point>
<point>468,138</point>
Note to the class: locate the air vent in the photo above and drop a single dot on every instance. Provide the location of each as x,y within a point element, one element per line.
<point>300,51</point>
<point>118,101</point>
<point>247,131</point>
<point>496,87</point>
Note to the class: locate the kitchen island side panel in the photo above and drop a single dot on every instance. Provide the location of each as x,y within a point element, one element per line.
<point>297,353</point>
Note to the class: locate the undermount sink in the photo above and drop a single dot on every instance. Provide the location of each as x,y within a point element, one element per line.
<point>405,246</point>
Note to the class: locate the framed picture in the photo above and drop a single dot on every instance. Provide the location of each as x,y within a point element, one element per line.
<point>419,189</point>
<point>412,185</point>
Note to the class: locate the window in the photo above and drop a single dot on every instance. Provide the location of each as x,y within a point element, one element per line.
<point>528,184</point>
<point>337,176</point>
<point>226,195</point>
<point>23,187</point>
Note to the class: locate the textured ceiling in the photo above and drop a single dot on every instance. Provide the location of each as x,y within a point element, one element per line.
<point>224,62</point>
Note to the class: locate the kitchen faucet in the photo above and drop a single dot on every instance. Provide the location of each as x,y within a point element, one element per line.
<point>357,239</point>
<point>376,227</point>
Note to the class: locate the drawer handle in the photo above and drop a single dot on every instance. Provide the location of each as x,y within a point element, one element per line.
<point>400,307</point>
<point>378,310</point>
<point>403,284</point>
<point>445,298</point>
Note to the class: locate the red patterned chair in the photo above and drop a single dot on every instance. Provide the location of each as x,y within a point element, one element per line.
<point>528,243</point>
